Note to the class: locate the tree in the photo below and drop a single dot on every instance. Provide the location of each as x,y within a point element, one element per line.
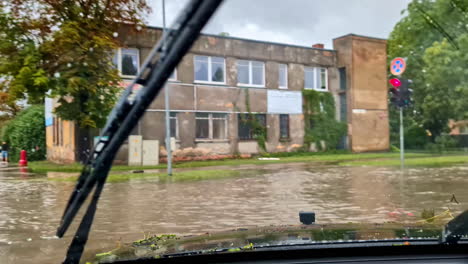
<point>65,47</point>
<point>26,131</point>
<point>433,37</point>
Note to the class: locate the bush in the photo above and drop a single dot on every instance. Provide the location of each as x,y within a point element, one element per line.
<point>394,148</point>
<point>415,137</point>
<point>442,143</point>
<point>26,131</point>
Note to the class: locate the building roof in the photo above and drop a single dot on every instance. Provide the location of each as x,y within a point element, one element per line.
<point>361,36</point>
<point>254,40</point>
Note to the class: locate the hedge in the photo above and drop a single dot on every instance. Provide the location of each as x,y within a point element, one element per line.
<point>26,131</point>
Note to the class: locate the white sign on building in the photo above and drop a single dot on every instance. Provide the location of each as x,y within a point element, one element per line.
<point>284,102</point>
<point>48,108</point>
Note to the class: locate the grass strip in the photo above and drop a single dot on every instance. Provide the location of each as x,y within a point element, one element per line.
<point>46,166</point>
<point>412,162</point>
<point>195,175</point>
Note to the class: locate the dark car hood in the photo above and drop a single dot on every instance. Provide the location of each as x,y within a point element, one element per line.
<point>260,237</point>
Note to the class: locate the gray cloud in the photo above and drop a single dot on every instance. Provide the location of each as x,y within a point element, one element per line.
<point>301,22</point>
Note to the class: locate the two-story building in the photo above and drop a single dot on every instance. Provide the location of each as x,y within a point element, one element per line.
<point>222,78</point>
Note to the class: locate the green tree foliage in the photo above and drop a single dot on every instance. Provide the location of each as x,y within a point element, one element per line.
<point>433,36</point>
<point>26,131</point>
<point>85,80</point>
<point>319,120</point>
<point>65,47</point>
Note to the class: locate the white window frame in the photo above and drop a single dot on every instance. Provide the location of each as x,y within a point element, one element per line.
<point>250,75</point>
<point>286,77</point>
<point>210,119</point>
<point>209,70</point>
<point>314,71</point>
<point>119,62</point>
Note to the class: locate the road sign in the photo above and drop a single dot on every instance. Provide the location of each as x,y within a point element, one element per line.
<point>397,66</point>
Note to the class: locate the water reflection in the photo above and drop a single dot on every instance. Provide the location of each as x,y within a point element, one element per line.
<point>31,206</point>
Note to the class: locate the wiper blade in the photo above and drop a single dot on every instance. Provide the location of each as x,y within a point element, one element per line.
<point>455,229</point>
<point>157,68</point>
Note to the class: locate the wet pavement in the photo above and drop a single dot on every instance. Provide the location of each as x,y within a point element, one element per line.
<point>31,205</point>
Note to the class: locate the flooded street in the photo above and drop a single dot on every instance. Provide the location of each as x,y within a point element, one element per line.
<point>31,205</point>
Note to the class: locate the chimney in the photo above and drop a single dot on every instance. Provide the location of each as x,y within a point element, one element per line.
<point>318,46</point>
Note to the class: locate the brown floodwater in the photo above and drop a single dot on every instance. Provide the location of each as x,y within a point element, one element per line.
<point>31,205</point>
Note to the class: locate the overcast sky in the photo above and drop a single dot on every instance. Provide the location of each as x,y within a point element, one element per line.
<point>300,22</point>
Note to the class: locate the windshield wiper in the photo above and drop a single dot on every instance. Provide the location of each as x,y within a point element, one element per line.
<point>455,229</point>
<point>157,68</point>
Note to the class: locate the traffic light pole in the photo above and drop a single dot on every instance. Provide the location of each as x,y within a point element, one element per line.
<point>166,102</point>
<point>402,140</point>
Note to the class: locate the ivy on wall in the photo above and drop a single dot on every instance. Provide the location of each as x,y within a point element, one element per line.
<point>319,120</point>
<point>259,130</point>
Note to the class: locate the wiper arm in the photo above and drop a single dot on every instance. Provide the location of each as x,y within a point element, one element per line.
<point>124,117</point>
<point>455,229</point>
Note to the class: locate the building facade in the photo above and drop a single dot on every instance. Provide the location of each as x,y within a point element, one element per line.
<point>222,79</point>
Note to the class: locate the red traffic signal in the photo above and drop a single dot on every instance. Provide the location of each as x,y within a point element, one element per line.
<point>395,82</point>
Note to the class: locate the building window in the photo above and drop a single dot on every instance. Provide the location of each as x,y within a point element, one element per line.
<point>54,130</point>
<point>245,129</point>
<point>343,108</point>
<point>210,126</point>
<point>342,78</point>
<point>127,61</point>
<point>209,69</point>
<point>315,78</point>
<point>283,76</point>
<point>174,125</point>
<point>251,73</point>
<point>284,126</point>
<point>57,128</point>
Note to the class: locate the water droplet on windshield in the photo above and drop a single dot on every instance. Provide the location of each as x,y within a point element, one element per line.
<point>115,34</point>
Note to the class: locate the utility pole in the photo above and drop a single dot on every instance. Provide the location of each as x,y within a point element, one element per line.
<point>401,97</point>
<point>166,100</point>
<point>402,141</point>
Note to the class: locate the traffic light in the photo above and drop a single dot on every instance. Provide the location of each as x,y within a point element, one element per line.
<point>406,93</point>
<point>395,94</point>
<point>400,92</point>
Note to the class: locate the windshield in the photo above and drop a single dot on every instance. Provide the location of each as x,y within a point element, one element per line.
<point>281,122</point>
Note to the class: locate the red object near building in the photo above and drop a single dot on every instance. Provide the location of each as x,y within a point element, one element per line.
<point>23,158</point>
